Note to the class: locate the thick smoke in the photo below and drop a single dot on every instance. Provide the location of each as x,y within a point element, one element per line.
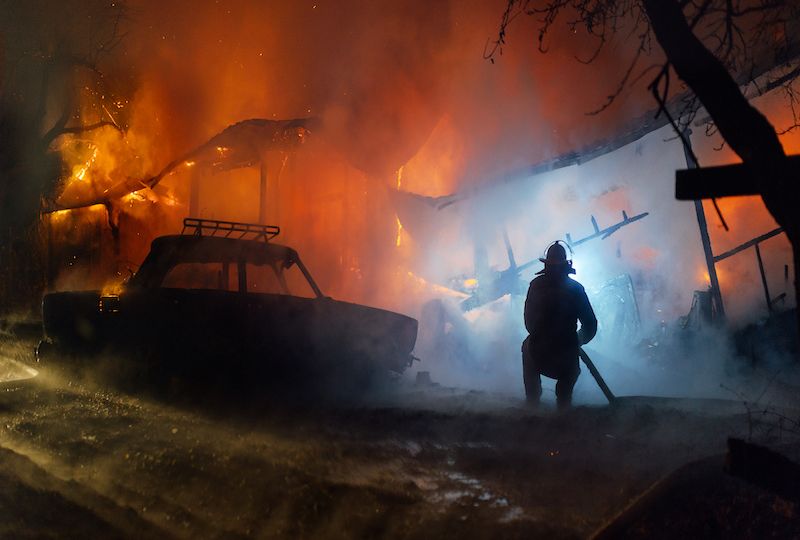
<point>382,76</point>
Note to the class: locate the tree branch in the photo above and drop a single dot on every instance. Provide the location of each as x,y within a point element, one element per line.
<point>54,133</point>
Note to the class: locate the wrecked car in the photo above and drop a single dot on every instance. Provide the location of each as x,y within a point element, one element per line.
<point>222,304</point>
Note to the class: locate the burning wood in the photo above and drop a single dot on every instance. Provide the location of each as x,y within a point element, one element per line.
<point>242,144</point>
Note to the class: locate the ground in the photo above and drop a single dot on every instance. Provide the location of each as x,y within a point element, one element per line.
<point>77,460</point>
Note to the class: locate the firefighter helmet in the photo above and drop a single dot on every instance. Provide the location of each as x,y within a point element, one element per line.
<point>555,259</point>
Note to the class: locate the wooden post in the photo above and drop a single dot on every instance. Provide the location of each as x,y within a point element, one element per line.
<point>194,192</point>
<point>716,294</point>
<point>262,191</point>
<point>763,278</point>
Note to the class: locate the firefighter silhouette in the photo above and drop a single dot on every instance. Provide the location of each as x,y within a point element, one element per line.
<point>553,307</point>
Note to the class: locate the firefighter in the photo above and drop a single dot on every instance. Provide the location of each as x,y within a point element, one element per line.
<point>553,307</point>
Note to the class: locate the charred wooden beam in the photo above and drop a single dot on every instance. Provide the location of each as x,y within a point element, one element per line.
<point>608,231</point>
<point>723,181</point>
<point>705,238</point>
<point>750,243</point>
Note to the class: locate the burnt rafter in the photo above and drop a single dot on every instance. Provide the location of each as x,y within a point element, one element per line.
<point>634,131</point>
<point>750,243</point>
<point>608,231</point>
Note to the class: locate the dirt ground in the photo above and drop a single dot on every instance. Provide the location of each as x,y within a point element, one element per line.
<point>77,461</point>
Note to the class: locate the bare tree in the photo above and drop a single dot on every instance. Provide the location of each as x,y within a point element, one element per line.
<point>715,47</point>
<point>50,56</point>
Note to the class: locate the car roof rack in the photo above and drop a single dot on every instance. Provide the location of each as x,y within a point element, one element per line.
<point>226,229</point>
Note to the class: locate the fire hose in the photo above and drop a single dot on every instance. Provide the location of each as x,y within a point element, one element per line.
<point>597,377</point>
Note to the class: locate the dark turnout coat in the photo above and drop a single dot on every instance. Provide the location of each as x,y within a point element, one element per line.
<point>553,307</point>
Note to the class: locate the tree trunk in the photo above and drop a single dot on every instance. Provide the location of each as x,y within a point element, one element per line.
<point>743,127</point>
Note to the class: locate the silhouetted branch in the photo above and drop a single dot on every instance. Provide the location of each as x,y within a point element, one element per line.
<point>740,34</point>
<point>90,127</point>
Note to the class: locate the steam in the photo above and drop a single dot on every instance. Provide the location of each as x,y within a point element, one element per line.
<point>662,254</point>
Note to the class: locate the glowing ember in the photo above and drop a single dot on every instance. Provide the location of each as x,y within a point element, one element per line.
<point>136,196</point>
<point>113,288</point>
<point>399,240</point>
<point>79,172</point>
<point>58,215</point>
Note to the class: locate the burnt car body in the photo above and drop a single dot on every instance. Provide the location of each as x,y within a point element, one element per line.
<point>232,313</point>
